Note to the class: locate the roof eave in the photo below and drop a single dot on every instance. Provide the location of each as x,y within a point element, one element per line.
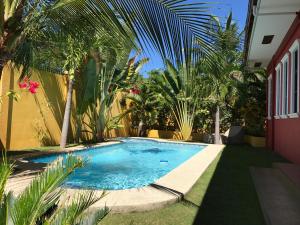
<point>248,28</point>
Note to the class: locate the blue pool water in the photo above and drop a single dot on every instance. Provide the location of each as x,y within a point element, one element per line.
<point>131,164</point>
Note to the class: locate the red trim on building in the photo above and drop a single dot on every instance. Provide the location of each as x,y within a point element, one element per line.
<point>283,135</point>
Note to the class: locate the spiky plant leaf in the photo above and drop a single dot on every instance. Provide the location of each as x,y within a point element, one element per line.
<point>171,27</point>
<point>43,192</point>
<point>5,171</point>
<point>5,207</point>
<point>5,199</point>
<point>74,212</point>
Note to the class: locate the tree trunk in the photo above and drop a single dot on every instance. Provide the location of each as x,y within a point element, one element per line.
<point>66,121</point>
<point>217,126</point>
<point>141,132</point>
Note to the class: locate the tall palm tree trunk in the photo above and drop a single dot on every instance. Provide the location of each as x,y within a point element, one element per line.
<point>66,121</point>
<point>217,126</point>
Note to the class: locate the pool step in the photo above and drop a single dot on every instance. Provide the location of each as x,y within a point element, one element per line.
<point>279,197</point>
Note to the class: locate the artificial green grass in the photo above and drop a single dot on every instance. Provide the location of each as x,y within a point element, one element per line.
<point>224,195</point>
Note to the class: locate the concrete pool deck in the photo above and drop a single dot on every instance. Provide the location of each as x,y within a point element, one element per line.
<point>168,189</point>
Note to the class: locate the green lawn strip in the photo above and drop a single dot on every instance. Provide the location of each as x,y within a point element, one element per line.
<point>224,195</point>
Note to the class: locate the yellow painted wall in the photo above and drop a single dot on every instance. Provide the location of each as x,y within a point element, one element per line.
<point>36,119</point>
<point>125,122</point>
<point>116,110</point>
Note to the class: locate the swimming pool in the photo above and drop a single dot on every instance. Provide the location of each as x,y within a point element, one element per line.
<point>133,163</point>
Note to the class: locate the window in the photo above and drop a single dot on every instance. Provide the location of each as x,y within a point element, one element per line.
<point>278,90</point>
<point>270,97</point>
<point>284,95</point>
<point>294,100</point>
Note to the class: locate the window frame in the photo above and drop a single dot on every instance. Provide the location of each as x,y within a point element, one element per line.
<point>285,87</point>
<point>270,99</point>
<point>295,47</point>
<point>278,91</point>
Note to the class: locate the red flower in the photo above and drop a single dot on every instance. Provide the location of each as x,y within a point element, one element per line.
<point>32,90</point>
<point>30,85</point>
<point>34,84</point>
<point>23,85</point>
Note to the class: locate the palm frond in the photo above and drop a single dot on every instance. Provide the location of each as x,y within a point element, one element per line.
<point>42,194</point>
<point>185,115</point>
<point>99,216</point>
<point>5,206</point>
<point>5,199</point>
<point>5,171</point>
<point>170,26</point>
<point>76,211</point>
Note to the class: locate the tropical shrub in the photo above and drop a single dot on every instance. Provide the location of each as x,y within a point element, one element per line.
<point>144,106</point>
<point>251,105</point>
<point>101,82</point>
<point>40,202</point>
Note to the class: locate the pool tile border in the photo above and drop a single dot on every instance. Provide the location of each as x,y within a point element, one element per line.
<point>168,189</point>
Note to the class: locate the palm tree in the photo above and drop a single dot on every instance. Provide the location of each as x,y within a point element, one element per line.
<point>25,23</point>
<point>39,203</point>
<point>101,81</point>
<point>218,69</point>
<point>169,82</point>
<point>178,88</point>
<point>74,56</point>
<point>139,20</point>
<point>92,64</point>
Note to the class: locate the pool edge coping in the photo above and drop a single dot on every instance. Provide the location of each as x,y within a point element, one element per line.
<point>166,190</point>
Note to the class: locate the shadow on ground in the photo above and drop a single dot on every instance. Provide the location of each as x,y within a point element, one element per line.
<point>230,198</point>
<point>20,167</point>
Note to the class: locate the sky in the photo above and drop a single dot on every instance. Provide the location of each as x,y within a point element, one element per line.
<point>220,8</point>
